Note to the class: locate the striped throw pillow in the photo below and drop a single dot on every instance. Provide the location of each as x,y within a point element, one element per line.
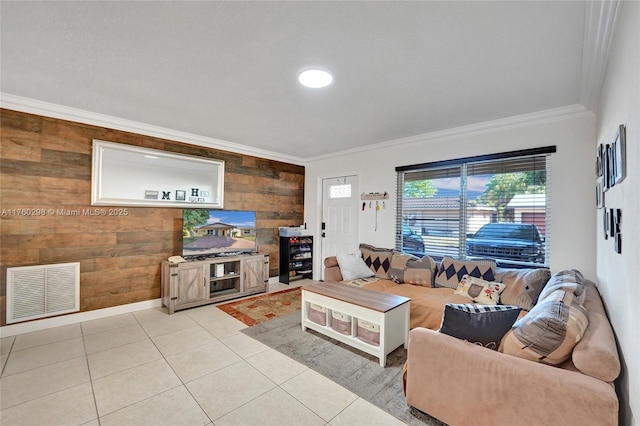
<point>549,332</point>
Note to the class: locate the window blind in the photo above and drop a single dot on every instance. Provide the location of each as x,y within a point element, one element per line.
<point>495,206</point>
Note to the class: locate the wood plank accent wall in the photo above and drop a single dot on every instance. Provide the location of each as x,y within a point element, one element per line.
<point>45,165</point>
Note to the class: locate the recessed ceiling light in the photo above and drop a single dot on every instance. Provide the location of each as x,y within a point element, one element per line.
<point>315,78</point>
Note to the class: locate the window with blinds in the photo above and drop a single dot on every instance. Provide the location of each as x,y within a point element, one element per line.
<point>494,206</point>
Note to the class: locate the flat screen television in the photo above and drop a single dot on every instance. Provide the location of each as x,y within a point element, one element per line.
<point>208,233</point>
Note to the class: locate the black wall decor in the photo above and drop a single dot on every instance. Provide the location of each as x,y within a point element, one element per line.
<point>612,227</point>
<point>611,170</point>
<point>611,160</point>
<point>617,234</point>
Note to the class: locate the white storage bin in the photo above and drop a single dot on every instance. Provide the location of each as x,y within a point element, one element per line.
<point>289,232</point>
<point>368,332</point>
<point>318,314</point>
<point>341,322</point>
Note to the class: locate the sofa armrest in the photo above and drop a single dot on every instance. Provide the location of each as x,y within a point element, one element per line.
<point>332,270</point>
<point>462,383</point>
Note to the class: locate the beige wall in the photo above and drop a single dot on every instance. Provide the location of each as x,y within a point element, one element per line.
<point>577,238</point>
<point>618,274</point>
<point>572,180</point>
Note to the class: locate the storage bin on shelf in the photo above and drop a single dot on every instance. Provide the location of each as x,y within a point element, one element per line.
<point>318,314</point>
<point>341,322</point>
<point>368,332</point>
<point>291,231</point>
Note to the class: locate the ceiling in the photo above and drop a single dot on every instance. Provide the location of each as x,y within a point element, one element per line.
<point>226,71</point>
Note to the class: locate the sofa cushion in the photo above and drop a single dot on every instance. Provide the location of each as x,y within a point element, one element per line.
<point>332,270</point>
<point>452,270</point>
<point>569,280</point>
<point>353,267</point>
<point>409,269</point>
<point>549,332</point>
<point>480,291</point>
<point>596,353</point>
<point>378,259</point>
<point>523,286</point>
<point>479,324</point>
<point>427,304</point>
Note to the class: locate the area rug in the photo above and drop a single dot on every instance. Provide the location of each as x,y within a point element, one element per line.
<point>354,370</point>
<point>258,309</point>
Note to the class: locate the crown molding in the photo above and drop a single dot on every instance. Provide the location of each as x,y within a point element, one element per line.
<point>600,21</point>
<point>33,106</point>
<point>540,117</point>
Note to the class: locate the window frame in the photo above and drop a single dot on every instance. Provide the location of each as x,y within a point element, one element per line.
<point>474,162</point>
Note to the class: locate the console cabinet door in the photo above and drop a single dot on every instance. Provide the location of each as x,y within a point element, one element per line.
<point>191,284</point>
<point>256,273</point>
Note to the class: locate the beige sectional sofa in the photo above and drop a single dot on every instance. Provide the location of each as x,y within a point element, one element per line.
<point>463,383</point>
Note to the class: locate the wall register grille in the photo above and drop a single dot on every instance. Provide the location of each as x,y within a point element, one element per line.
<point>42,291</point>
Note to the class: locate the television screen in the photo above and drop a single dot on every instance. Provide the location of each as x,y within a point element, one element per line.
<point>213,232</point>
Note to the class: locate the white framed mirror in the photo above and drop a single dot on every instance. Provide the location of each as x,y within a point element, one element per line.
<point>127,175</point>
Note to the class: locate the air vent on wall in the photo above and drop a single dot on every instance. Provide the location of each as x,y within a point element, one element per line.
<point>42,291</point>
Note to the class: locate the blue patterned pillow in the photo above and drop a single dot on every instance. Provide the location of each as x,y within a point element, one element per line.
<point>452,270</point>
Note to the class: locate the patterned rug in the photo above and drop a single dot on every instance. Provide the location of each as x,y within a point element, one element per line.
<point>262,308</point>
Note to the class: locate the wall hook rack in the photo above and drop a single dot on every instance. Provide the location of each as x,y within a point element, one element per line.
<point>374,196</point>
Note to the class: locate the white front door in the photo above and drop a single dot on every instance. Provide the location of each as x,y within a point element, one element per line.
<point>339,216</point>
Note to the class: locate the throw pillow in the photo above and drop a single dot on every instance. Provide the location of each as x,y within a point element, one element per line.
<point>479,324</point>
<point>353,267</point>
<point>378,259</point>
<point>569,280</point>
<point>398,265</point>
<point>523,286</point>
<point>548,333</point>
<point>420,271</point>
<point>452,270</point>
<point>409,269</point>
<point>480,291</point>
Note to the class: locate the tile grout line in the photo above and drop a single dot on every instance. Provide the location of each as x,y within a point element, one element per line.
<point>86,355</point>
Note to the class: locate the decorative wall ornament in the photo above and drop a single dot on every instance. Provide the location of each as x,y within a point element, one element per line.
<point>617,222</point>
<point>619,155</point>
<point>599,194</point>
<point>611,160</point>
<point>150,195</point>
<point>600,161</point>
<point>612,227</point>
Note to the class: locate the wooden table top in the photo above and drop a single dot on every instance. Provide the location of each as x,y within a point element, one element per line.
<point>374,300</point>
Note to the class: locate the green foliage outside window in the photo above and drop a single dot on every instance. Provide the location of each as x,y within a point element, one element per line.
<point>419,189</point>
<point>502,187</point>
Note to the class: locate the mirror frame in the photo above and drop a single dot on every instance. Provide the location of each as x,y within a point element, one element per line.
<point>110,187</point>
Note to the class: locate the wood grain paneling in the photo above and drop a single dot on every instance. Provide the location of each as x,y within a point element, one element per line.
<point>45,196</point>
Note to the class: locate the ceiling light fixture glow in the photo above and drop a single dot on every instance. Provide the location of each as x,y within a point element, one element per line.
<point>315,78</point>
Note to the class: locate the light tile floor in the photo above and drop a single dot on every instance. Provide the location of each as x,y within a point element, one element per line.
<point>149,368</point>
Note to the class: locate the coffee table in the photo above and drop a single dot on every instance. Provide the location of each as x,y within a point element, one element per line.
<point>389,312</point>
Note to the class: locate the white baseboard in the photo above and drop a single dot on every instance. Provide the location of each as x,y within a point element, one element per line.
<point>43,324</point>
